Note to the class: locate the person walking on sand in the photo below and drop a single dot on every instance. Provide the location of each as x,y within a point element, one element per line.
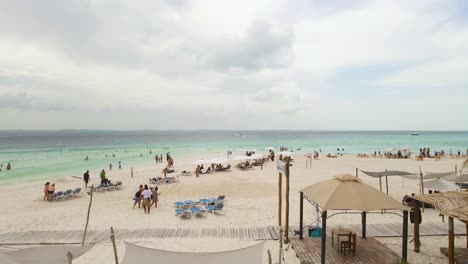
<point>8,166</point>
<point>137,198</point>
<point>155,197</point>
<point>197,171</point>
<point>86,178</point>
<point>46,191</point>
<point>120,165</point>
<point>110,166</point>
<point>146,194</point>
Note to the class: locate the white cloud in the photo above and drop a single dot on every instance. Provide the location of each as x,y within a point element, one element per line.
<point>224,64</point>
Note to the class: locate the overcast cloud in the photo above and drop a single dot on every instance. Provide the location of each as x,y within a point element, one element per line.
<point>277,64</point>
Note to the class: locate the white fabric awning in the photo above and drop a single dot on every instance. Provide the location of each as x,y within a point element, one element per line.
<point>141,255</point>
<point>435,175</point>
<point>440,185</point>
<point>404,174</point>
<point>46,254</point>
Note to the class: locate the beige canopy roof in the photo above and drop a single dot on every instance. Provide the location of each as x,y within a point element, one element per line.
<point>346,192</point>
<point>141,255</point>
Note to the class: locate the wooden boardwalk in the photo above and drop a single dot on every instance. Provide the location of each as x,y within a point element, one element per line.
<point>368,251</point>
<point>241,233</point>
<point>461,254</point>
<point>97,236</point>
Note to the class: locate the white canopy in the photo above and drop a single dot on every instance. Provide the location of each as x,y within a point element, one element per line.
<point>377,174</point>
<point>389,149</point>
<point>440,185</point>
<point>140,255</point>
<point>255,156</point>
<point>435,175</point>
<point>285,153</point>
<point>46,254</point>
<point>240,157</point>
<point>457,178</point>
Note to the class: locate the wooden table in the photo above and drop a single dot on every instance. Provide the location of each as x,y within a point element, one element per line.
<point>339,232</point>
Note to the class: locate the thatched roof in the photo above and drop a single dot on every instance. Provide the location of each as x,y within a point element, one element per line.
<point>454,203</point>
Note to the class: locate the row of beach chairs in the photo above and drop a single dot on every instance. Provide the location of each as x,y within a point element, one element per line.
<point>108,187</point>
<point>161,180</point>
<point>189,208</point>
<point>63,195</point>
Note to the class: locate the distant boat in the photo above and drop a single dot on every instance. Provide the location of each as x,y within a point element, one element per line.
<point>415,134</point>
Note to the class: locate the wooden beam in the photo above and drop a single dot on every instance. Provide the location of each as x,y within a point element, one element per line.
<point>357,173</point>
<point>386,183</point>
<point>301,215</point>
<point>324,237</point>
<point>451,246</point>
<point>287,202</point>
<point>404,247</point>
<point>114,246</point>
<point>87,217</point>
<point>280,199</point>
<point>416,226</point>
<point>380,182</point>
<point>363,218</point>
<point>466,235</point>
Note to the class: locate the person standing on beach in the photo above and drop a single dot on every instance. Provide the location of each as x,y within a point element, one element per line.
<point>146,194</point>
<point>155,197</point>
<point>50,192</point>
<point>110,166</point>
<point>137,198</point>
<point>46,191</point>
<point>197,171</point>
<point>8,166</point>
<point>86,178</point>
<point>102,175</point>
<point>160,157</point>
<point>120,165</point>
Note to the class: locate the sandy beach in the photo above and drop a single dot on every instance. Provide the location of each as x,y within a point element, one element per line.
<point>251,201</point>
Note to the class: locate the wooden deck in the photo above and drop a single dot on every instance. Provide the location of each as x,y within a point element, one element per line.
<point>368,251</point>
<point>461,254</point>
<point>241,233</point>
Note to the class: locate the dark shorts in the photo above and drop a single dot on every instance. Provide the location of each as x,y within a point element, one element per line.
<point>86,180</point>
<point>50,192</point>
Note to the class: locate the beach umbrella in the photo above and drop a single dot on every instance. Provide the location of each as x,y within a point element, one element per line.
<point>240,157</point>
<point>390,150</point>
<point>270,148</point>
<point>285,153</point>
<point>201,161</point>
<point>219,160</point>
<point>255,156</point>
<point>441,185</point>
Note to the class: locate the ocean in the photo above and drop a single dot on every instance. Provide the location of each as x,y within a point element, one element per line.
<point>41,155</point>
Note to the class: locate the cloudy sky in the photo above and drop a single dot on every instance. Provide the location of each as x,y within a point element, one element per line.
<point>183,64</point>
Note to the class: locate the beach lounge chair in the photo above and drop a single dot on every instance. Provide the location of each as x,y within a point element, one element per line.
<point>101,188</point>
<point>197,211</point>
<point>110,187</point>
<point>179,204</point>
<point>183,213</point>
<point>228,167</point>
<point>118,185</point>
<point>77,192</point>
<point>68,194</point>
<point>221,199</point>
<point>58,195</point>
<point>215,209</point>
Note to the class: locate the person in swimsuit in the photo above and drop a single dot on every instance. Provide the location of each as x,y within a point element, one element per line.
<point>46,191</point>
<point>50,192</point>
<point>155,197</point>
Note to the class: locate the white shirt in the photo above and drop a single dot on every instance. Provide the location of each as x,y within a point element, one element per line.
<point>146,194</point>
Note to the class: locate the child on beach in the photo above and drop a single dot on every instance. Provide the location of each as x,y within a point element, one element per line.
<point>50,192</point>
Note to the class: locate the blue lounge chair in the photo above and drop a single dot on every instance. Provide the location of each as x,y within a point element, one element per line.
<point>77,192</point>
<point>58,195</point>
<point>218,208</point>
<point>183,213</point>
<point>197,211</point>
<point>68,194</point>
<point>179,204</point>
<point>118,185</point>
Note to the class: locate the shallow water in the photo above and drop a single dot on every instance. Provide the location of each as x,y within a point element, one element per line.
<point>36,155</point>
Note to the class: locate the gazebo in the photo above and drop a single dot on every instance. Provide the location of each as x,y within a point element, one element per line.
<point>346,192</point>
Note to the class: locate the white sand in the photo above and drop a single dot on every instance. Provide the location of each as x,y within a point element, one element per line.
<point>252,201</point>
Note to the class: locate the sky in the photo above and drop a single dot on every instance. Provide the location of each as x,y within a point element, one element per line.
<point>234,65</point>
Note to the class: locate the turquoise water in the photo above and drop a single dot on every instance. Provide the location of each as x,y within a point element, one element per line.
<point>37,155</point>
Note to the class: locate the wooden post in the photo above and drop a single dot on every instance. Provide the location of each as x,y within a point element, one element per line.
<point>363,219</point>
<point>87,218</point>
<point>324,237</point>
<point>70,257</point>
<point>131,171</point>
<point>281,244</point>
<point>357,171</point>
<point>113,245</point>
<point>287,202</point>
<point>270,261</point>
<point>451,245</point>
<point>280,199</point>
<point>301,215</point>
<point>386,183</point>
<point>416,226</point>
<point>404,247</point>
<point>466,224</point>
<point>380,182</point>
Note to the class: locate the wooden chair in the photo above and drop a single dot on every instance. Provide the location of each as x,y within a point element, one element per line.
<point>348,245</point>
